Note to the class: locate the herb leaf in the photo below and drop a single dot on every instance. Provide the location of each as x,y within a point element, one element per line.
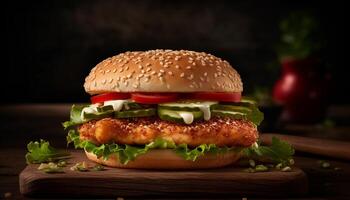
<point>279,151</point>
<point>39,152</point>
<point>75,118</point>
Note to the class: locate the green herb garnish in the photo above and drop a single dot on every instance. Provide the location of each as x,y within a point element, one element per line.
<point>50,168</point>
<point>279,152</point>
<point>40,152</point>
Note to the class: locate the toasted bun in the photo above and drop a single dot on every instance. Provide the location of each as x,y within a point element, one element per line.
<point>168,159</point>
<point>163,71</point>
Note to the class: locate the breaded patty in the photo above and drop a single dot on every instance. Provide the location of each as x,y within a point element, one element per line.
<point>138,131</point>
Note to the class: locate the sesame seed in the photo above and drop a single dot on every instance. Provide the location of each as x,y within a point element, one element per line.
<point>205,73</point>
<point>114,70</point>
<point>188,67</point>
<point>107,71</point>
<point>182,74</point>
<point>162,71</point>
<point>104,81</point>
<point>170,73</point>
<point>177,66</point>
<point>153,72</point>
<point>190,77</point>
<point>148,69</point>
<point>110,80</point>
<point>140,66</point>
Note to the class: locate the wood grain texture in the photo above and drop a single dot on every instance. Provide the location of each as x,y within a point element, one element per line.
<point>330,148</point>
<point>127,182</point>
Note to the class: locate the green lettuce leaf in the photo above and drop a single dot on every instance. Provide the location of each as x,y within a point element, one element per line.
<point>75,118</point>
<point>279,151</point>
<point>256,116</point>
<point>39,152</point>
<point>128,153</point>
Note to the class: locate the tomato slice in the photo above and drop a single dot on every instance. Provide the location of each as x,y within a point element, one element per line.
<point>109,96</point>
<point>154,98</point>
<point>217,96</point>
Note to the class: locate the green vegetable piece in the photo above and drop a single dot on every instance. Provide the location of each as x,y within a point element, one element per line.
<point>99,115</point>
<point>131,106</point>
<point>232,114</point>
<point>102,109</point>
<point>279,152</point>
<point>50,168</point>
<point>97,168</point>
<point>325,165</point>
<point>249,170</point>
<point>261,168</point>
<point>39,152</point>
<point>237,111</point>
<point>80,166</point>
<point>61,163</point>
<point>75,118</point>
<point>252,163</point>
<point>174,116</point>
<point>135,113</point>
<point>286,169</point>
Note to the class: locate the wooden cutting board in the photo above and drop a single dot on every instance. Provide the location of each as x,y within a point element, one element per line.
<point>114,182</point>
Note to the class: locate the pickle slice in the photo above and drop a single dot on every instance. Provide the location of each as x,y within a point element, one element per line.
<point>235,108</point>
<point>104,108</point>
<point>90,116</point>
<point>132,106</point>
<point>231,114</point>
<point>187,105</point>
<point>186,117</point>
<point>135,113</point>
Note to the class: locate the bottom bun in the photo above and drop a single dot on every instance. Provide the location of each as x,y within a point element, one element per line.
<point>168,159</point>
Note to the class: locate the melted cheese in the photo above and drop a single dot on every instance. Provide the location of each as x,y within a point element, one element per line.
<point>186,116</point>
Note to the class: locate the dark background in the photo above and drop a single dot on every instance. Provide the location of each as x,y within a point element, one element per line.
<point>50,46</point>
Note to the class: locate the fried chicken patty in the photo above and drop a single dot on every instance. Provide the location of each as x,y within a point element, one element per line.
<point>138,131</point>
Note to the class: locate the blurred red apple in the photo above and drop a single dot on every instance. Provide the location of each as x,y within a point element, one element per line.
<point>302,89</point>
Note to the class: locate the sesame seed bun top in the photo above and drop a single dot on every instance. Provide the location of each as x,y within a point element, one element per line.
<point>163,71</point>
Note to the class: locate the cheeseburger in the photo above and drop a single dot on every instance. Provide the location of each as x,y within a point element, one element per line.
<point>164,109</point>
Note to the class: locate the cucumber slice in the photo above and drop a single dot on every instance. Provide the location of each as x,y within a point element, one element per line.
<point>180,116</point>
<point>135,113</point>
<point>232,114</point>
<point>234,108</point>
<point>132,106</point>
<point>90,116</point>
<point>104,108</point>
<point>249,100</point>
<point>187,105</point>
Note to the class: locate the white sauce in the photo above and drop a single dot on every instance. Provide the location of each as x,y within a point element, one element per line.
<point>187,117</point>
<point>117,104</point>
<point>90,109</point>
<point>205,108</point>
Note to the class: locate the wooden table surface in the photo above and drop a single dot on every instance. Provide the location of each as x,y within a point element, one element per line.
<point>23,123</point>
